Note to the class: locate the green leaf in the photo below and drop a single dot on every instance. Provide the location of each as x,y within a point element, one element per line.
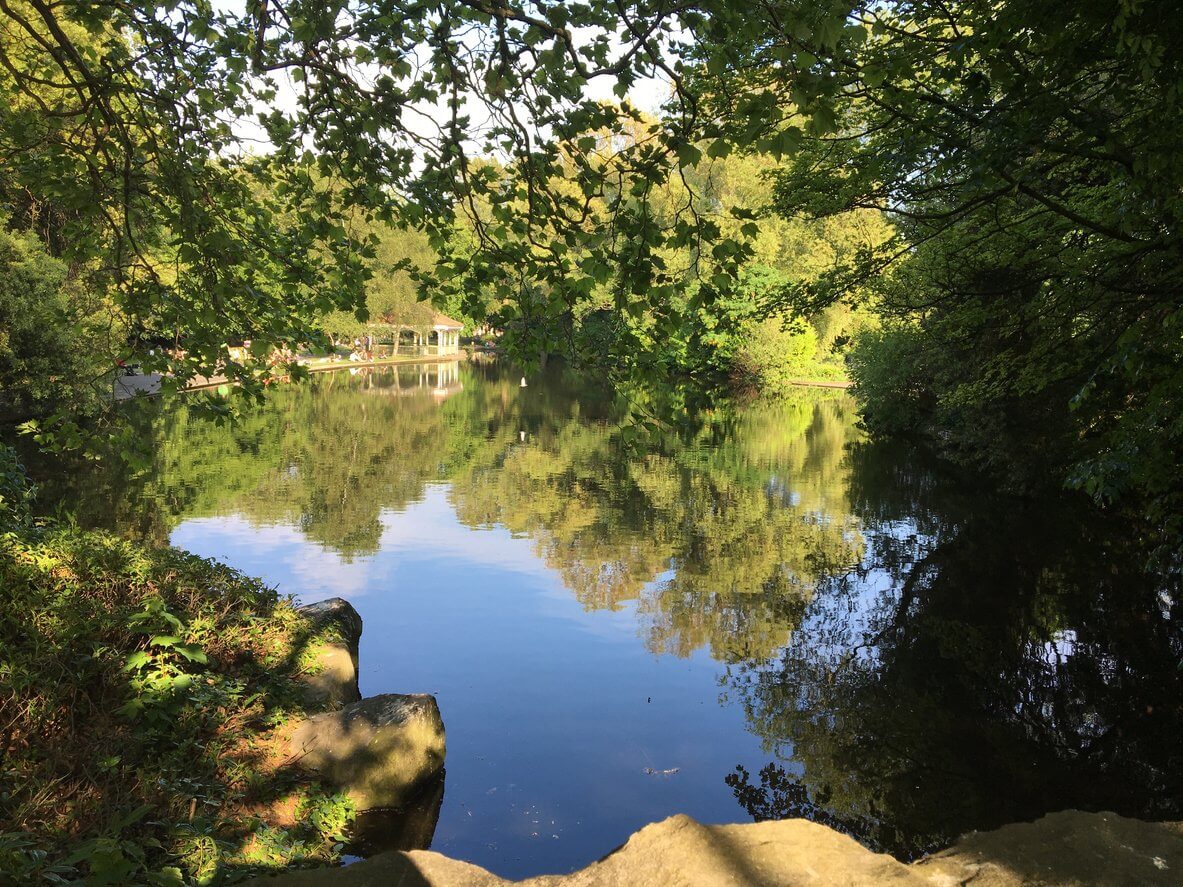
<point>719,149</point>
<point>169,876</point>
<point>688,155</point>
<point>191,652</point>
<point>137,660</point>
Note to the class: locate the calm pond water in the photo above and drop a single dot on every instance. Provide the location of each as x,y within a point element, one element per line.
<point>763,617</point>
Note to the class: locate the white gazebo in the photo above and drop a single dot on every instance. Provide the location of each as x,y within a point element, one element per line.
<point>447,334</point>
<point>440,335</point>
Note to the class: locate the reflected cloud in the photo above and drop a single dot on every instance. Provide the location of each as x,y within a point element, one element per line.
<point>312,573</point>
<point>429,527</point>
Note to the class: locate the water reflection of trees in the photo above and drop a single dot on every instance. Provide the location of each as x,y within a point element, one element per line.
<point>920,659</point>
<point>717,536</point>
<point>326,457</point>
<point>719,543</point>
<point>993,660</point>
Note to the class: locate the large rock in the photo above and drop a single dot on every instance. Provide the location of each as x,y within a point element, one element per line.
<point>337,612</point>
<point>1068,848</point>
<point>685,853</point>
<point>334,628</point>
<point>381,751</point>
<point>678,852</point>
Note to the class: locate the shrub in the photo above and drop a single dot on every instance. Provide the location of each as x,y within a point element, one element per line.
<point>774,355</point>
<point>887,365</point>
<point>15,492</point>
<point>48,347</point>
<point>140,687</point>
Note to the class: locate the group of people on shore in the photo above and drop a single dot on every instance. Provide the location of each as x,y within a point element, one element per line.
<point>363,348</point>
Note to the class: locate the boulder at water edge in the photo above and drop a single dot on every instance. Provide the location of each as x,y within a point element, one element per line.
<point>1069,848</point>
<point>381,751</point>
<point>335,629</point>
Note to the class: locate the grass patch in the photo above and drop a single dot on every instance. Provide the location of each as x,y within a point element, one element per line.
<point>143,694</point>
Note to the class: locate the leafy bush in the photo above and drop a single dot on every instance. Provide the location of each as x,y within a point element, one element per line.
<point>47,348</point>
<point>887,366</point>
<point>15,491</point>
<point>140,687</point>
<point>774,355</point>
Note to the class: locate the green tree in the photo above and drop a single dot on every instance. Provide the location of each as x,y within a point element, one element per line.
<point>392,300</point>
<point>1028,155</point>
<point>1025,155</point>
<point>47,343</point>
<point>130,127</point>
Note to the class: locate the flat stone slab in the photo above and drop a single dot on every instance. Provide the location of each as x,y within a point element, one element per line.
<point>1066,848</point>
<point>1069,848</point>
<point>381,751</point>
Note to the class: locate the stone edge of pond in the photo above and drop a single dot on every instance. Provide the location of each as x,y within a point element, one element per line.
<point>1068,847</point>
<point>380,751</point>
<point>331,679</point>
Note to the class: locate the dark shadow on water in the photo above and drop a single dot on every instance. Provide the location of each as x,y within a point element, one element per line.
<point>993,660</point>
<point>408,828</point>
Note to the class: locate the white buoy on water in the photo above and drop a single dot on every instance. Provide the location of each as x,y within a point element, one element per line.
<point>523,381</point>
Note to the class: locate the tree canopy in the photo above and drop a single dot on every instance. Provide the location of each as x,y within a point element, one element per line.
<point>1006,176</point>
<point>1028,155</point>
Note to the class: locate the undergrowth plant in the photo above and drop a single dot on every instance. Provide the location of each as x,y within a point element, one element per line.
<point>139,691</point>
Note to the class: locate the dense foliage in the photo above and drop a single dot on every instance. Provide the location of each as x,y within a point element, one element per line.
<point>48,338</point>
<point>1028,155</point>
<point>139,686</point>
<point>1025,156</point>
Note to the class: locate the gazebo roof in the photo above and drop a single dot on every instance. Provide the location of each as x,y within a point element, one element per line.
<point>438,321</point>
<point>443,322</point>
